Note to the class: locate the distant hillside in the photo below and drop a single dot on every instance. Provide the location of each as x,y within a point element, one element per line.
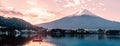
<point>86,20</point>
<point>15,23</point>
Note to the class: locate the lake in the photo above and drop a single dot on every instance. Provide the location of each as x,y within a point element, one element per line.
<point>59,40</point>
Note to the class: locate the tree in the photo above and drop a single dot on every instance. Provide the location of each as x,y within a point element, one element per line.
<point>101,31</point>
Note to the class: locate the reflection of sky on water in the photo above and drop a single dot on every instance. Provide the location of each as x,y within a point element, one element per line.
<point>38,40</point>
<point>59,40</point>
<point>86,40</point>
<point>23,40</point>
<point>31,43</point>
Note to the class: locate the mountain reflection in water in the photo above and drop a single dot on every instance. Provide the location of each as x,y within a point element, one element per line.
<point>59,40</point>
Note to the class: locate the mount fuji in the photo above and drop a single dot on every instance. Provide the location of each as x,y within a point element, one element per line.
<point>85,20</point>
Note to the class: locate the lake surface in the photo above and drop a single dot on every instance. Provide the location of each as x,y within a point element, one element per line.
<point>59,40</point>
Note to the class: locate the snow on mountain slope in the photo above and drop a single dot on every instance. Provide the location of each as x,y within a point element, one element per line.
<point>86,20</point>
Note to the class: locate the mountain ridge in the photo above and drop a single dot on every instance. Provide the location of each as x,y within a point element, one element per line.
<point>86,21</point>
<point>16,23</point>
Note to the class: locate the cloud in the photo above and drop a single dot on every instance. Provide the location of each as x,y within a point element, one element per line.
<point>0,2</point>
<point>33,15</point>
<point>89,0</point>
<point>101,4</point>
<point>42,13</point>
<point>71,3</point>
<point>77,2</point>
<point>32,2</point>
<point>9,12</point>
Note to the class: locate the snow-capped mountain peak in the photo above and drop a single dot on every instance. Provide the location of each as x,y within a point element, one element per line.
<point>85,20</point>
<point>84,12</point>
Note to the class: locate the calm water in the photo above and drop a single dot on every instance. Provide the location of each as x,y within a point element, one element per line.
<point>59,40</point>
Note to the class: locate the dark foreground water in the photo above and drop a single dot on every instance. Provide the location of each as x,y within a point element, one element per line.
<point>59,40</point>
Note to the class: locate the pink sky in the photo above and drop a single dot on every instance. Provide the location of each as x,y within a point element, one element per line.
<point>40,11</point>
